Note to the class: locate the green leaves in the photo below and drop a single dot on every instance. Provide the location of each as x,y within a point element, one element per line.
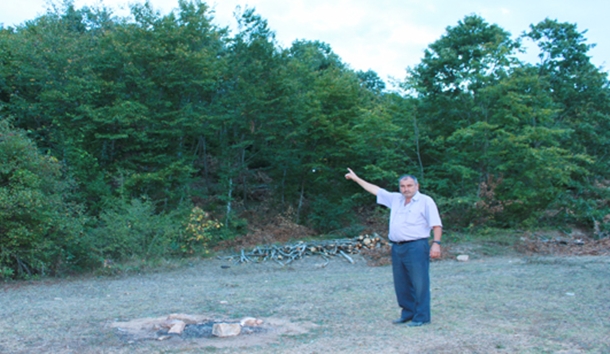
<point>579,90</point>
<point>133,230</point>
<point>464,59</point>
<point>39,226</point>
<point>176,109</point>
<point>495,121</point>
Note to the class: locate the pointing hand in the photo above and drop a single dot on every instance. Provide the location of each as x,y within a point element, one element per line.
<point>350,175</point>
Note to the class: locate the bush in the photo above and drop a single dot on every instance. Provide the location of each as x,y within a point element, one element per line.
<point>133,230</point>
<point>326,216</point>
<point>587,206</point>
<point>200,231</point>
<point>41,231</point>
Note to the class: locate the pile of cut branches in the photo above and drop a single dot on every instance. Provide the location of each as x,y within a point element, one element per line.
<point>285,254</point>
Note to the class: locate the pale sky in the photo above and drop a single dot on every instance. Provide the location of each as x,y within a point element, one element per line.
<point>386,36</point>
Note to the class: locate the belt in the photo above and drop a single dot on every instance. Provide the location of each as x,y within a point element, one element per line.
<point>403,242</point>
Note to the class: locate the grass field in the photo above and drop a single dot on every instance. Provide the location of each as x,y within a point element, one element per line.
<point>491,304</point>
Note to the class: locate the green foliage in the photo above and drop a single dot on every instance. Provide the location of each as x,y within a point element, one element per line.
<point>326,216</point>
<point>177,109</point>
<point>41,230</point>
<point>495,128</point>
<point>583,205</point>
<point>133,230</point>
<point>579,88</point>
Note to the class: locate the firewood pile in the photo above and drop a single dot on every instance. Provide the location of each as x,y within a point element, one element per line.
<point>285,254</point>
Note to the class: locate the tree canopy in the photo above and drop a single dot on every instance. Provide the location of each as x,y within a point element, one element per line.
<point>172,117</point>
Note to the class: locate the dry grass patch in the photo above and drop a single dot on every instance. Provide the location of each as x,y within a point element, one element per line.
<point>509,304</point>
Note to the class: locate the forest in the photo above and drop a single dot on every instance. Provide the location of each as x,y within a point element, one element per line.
<point>159,135</point>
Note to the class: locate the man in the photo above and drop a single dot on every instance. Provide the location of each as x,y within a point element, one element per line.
<point>412,216</point>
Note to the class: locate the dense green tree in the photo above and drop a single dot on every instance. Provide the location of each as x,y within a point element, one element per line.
<point>492,138</point>
<point>49,77</point>
<point>469,57</point>
<point>581,94</point>
<point>336,122</point>
<point>579,89</point>
<point>244,109</point>
<point>41,229</point>
<point>121,103</point>
<point>160,75</point>
<point>371,81</point>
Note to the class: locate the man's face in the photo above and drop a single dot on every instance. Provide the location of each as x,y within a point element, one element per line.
<point>408,187</point>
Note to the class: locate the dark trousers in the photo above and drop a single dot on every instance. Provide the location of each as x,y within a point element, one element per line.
<point>410,266</point>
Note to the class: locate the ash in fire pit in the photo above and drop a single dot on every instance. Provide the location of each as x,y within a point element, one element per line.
<point>205,330</point>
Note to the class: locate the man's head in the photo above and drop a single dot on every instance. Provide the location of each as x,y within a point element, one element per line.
<point>408,186</point>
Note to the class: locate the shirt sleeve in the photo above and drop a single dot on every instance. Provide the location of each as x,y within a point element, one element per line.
<point>434,218</point>
<point>384,198</point>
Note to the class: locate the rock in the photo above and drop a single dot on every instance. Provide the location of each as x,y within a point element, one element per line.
<point>251,322</point>
<point>177,328</point>
<point>226,329</point>
<point>169,323</point>
<point>462,258</point>
<point>188,319</point>
<point>577,233</point>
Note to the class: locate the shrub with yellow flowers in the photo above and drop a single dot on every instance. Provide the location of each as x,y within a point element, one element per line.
<point>200,230</point>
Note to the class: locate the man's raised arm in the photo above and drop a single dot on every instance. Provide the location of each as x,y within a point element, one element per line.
<point>371,188</point>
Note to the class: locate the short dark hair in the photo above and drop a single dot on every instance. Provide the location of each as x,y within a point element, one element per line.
<point>406,177</point>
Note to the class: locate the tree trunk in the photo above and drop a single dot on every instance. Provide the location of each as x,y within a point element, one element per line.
<point>301,197</point>
<point>227,218</point>
<point>421,165</point>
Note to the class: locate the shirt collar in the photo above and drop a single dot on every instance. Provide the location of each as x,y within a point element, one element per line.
<point>413,199</point>
<point>416,196</point>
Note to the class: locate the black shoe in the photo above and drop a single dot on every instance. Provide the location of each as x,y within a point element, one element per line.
<point>416,324</point>
<point>402,320</point>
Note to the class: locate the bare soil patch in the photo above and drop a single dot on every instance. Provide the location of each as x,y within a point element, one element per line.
<point>576,243</point>
<point>265,229</point>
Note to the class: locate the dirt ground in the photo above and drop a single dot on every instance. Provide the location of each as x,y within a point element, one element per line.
<point>511,303</point>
